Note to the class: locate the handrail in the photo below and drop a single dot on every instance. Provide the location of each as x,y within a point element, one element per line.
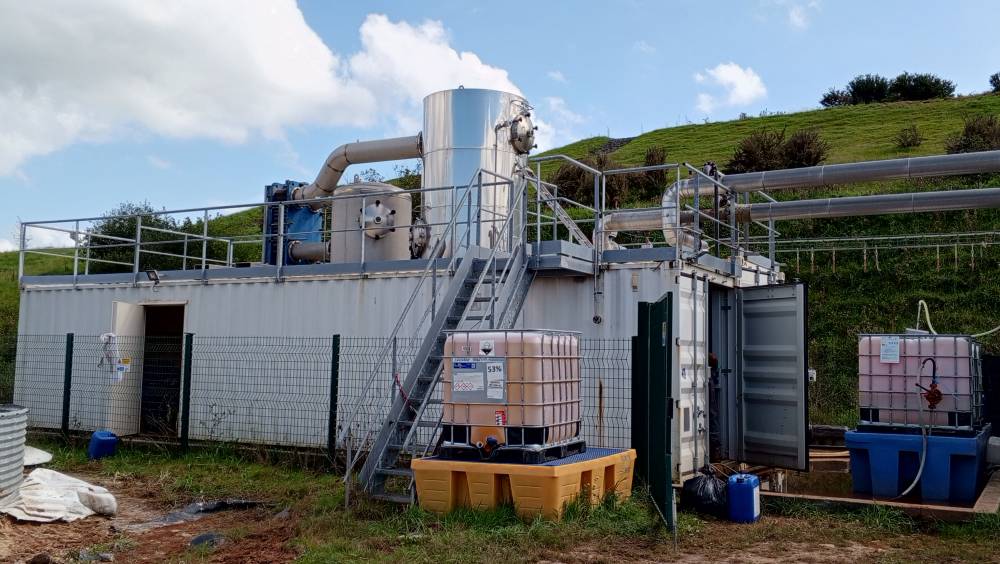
<point>435,252</point>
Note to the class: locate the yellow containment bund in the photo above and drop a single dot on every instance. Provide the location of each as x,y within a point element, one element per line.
<point>533,489</point>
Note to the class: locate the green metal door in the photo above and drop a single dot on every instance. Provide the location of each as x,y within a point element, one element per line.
<point>652,404</point>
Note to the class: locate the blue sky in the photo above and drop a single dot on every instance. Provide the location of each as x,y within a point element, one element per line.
<point>201,103</point>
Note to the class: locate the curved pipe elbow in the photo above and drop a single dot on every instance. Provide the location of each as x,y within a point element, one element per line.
<point>380,150</point>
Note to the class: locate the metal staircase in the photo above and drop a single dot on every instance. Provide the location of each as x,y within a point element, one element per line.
<point>487,289</point>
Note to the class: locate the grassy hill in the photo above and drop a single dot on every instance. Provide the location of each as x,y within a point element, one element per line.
<point>846,298</point>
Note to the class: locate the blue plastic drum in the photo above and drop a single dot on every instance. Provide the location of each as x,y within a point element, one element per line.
<point>743,491</point>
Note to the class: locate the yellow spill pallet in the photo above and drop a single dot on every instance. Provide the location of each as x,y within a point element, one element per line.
<point>533,489</point>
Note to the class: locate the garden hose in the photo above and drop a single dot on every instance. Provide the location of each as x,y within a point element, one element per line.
<point>927,316</point>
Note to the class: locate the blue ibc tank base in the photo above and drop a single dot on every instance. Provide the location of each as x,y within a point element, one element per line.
<point>883,464</point>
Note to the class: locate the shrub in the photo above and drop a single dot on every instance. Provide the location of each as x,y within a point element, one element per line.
<point>804,148</point>
<point>995,83</point>
<point>980,133</point>
<point>909,137</point>
<point>835,97</point>
<point>761,150</point>
<point>650,184</point>
<point>766,149</point>
<point>920,87</point>
<point>868,88</point>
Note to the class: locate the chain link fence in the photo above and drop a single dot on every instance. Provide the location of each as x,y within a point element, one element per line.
<point>275,391</point>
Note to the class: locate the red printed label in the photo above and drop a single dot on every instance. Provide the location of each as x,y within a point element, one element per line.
<point>501,417</point>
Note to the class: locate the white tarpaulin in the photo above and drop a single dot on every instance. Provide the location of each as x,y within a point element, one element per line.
<point>36,456</point>
<point>47,495</point>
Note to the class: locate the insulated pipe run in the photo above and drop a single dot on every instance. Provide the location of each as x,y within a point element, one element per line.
<point>914,202</point>
<point>353,153</point>
<point>865,171</point>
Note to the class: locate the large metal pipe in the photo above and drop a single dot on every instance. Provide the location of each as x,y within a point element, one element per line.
<point>913,202</point>
<point>379,150</point>
<point>865,171</point>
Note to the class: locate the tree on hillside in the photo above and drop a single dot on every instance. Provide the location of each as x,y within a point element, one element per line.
<point>835,97</point>
<point>995,83</point>
<point>924,86</point>
<point>115,254</point>
<point>868,89</point>
<point>873,88</point>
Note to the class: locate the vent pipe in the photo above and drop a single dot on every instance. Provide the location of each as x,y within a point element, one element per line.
<point>380,150</point>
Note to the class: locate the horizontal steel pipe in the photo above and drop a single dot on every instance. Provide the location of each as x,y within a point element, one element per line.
<point>866,171</point>
<point>915,202</point>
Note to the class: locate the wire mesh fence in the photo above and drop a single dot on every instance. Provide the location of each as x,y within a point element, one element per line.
<point>269,390</point>
<point>276,391</point>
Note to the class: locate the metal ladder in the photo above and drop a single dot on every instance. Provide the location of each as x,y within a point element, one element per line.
<point>489,294</point>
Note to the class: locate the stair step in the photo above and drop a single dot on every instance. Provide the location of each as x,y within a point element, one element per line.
<point>413,448</point>
<point>422,424</point>
<point>487,280</point>
<point>457,318</point>
<point>395,472</point>
<point>393,497</point>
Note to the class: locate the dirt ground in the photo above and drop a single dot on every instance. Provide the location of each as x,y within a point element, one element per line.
<point>253,535</point>
<point>266,534</point>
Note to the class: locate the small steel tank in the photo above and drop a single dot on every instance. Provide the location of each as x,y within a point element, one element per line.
<point>13,424</point>
<point>371,221</point>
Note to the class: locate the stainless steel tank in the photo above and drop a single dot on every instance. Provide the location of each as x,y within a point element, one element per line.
<point>371,223</point>
<point>13,425</point>
<point>466,130</point>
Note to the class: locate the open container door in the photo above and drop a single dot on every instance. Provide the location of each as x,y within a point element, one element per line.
<point>772,380</point>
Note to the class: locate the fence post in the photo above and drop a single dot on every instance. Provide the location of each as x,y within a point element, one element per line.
<point>186,390</point>
<point>67,383</point>
<point>331,430</point>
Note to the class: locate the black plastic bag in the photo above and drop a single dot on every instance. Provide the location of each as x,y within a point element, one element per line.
<point>705,494</point>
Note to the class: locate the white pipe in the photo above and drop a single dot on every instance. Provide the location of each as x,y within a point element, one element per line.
<point>354,153</point>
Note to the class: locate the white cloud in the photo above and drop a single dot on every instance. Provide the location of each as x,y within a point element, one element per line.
<point>798,14</point>
<point>557,76</point>
<point>6,245</point>
<point>157,162</point>
<point>41,238</point>
<point>740,86</point>
<point>558,108</point>
<point>643,47</point>
<point>797,17</point>
<point>226,70</point>
<point>401,63</point>
<point>705,103</point>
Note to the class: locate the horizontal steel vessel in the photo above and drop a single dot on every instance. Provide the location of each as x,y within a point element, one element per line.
<point>374,215</point>
<point>511,388</point>
<point>13,423</point>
